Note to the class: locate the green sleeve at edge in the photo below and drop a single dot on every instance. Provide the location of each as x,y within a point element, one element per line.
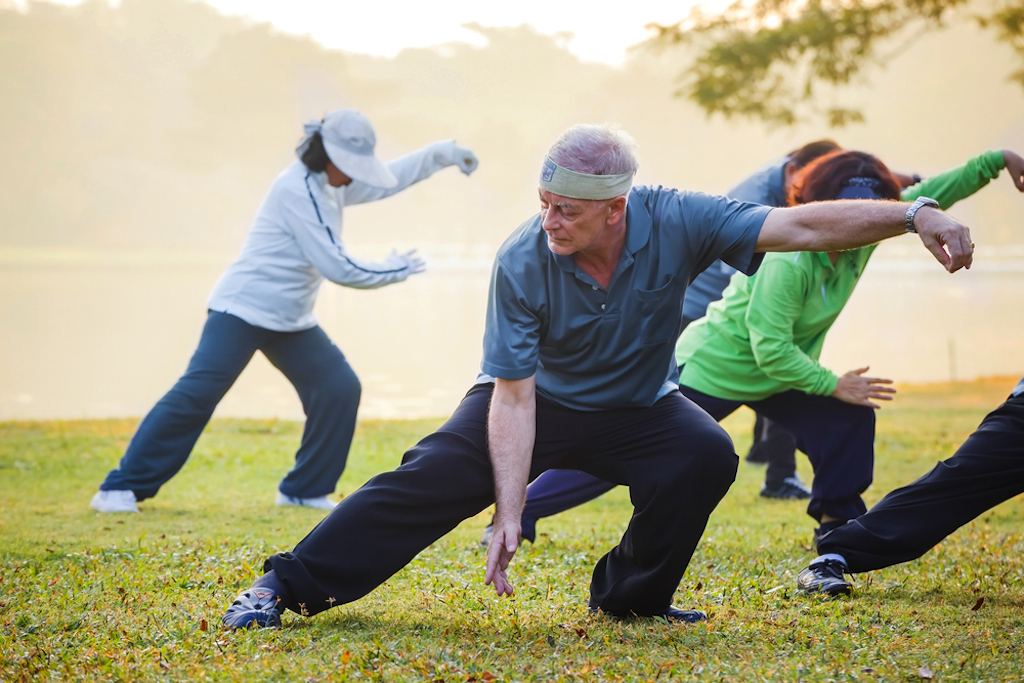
<point>949,187</point>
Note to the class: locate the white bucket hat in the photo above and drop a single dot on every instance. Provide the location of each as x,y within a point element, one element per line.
<point>349,140</point>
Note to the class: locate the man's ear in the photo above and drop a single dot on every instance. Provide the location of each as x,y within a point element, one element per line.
<point>616,209</point>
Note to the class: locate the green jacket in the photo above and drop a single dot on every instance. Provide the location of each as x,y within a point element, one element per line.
<point>765,335</point>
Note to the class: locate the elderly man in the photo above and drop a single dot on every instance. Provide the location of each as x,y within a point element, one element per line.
<point>578,373</point>
<point>558,490</point>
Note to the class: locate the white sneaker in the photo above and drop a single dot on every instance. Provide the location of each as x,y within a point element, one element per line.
<point>321,503</point>
<point>114,501</point>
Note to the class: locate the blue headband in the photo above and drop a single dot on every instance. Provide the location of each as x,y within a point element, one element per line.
<point>860,187</point>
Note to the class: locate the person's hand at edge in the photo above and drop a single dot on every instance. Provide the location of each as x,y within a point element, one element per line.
<point>1015,165</point>
<point>413,262</point>
<point>906,180</point>
<point>465,159</point>
<point>941,232</point>
<point>854,388</point>
<point>409,260</point>
<point>504,543</point>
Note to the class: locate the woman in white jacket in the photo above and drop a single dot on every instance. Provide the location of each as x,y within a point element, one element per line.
<point>264,301</point>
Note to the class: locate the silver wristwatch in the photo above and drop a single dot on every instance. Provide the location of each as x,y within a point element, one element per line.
<point>908,222</point>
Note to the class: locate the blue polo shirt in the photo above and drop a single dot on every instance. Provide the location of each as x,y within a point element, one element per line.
<point>597,349</point>
<point>766,185</point>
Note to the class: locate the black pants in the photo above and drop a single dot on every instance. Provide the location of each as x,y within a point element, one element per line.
<point>776,447</point>
<point>985,471</point>
<point>677,461</point>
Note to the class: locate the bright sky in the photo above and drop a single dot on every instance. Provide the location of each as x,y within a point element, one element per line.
<point>384,28</point>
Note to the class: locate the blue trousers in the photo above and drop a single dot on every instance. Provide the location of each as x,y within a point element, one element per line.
<point>985,471</point>
<point>327,386</point>
<point>677,462</point>
<point>837,437</point>
<point>556,491</point>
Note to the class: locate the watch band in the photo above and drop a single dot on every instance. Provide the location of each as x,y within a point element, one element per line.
<point>908,221</point>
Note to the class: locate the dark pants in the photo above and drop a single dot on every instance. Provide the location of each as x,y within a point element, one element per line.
<point>677,462</point>
<point>327,386</point>
<point>776,447</point>
<point>560,490</point>
<point>985,471</point>
<point>838,438</point>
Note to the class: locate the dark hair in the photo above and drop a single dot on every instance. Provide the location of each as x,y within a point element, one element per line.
<point>315,157</point>
<point>825,177</point>
<point>799,158</point>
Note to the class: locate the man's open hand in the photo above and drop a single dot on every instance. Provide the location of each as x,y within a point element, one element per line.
<point>946,238</point>
<point>504,543</point>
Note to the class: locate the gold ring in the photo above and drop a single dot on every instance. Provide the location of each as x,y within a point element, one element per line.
<point>972,245</point>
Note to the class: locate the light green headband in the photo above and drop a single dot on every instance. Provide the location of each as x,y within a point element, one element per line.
<point>566,183</point>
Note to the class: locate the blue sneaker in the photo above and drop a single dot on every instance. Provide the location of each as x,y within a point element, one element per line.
<point>687,616</point>
<point>825,576</point>
<point>255,608</point>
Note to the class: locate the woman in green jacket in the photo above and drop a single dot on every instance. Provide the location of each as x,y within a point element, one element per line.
<point>759,346</point>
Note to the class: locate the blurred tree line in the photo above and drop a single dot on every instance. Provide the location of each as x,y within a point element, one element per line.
<point>159,124</point>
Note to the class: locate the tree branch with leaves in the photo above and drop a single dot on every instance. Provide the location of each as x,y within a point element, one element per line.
<point>770,59</point>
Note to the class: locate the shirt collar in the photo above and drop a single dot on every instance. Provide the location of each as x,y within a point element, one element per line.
<point>566,263</point>
<point>638,224</point>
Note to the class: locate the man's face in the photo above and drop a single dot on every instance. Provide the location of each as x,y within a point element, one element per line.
<point>572,225</point>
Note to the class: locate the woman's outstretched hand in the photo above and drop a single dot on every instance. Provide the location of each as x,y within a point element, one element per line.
<point>854,388</point>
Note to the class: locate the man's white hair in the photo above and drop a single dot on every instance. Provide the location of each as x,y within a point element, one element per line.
<point>596,149</point>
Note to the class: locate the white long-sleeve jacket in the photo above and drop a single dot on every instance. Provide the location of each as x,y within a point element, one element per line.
<point>295,243</point>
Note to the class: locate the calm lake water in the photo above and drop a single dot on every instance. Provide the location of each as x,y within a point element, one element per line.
<point>101,335</point>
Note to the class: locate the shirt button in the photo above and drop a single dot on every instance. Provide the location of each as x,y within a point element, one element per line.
<point>602,307</point>
<point>595,287</point>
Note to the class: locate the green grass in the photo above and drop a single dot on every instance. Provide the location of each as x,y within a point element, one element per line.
<point>139,597</point>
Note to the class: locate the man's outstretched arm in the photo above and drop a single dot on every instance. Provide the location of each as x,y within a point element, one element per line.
<point>511,432</point>
<point>847,224</point>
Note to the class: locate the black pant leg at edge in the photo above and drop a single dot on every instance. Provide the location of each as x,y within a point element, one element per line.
<point>985,471</point>
<point>381,527</point>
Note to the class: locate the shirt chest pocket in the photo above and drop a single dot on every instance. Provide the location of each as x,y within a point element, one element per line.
<point>660,313</point>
